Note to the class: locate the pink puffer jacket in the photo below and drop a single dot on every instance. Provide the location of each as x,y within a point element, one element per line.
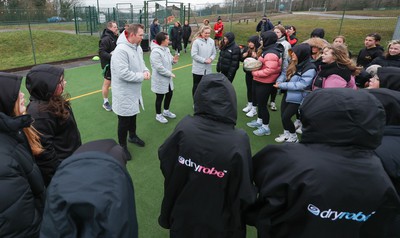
<point>270,70</point>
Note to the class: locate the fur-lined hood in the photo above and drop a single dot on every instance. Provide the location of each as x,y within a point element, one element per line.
<point>317,42</point>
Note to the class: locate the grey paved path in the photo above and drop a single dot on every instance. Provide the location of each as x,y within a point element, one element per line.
<point>322,14</point>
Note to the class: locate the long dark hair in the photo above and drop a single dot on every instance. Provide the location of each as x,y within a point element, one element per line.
<point>59,106</point>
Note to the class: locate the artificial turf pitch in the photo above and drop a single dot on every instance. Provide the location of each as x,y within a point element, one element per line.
<point>84,85</point>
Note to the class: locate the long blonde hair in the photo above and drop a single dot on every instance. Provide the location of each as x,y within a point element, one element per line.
<point>31,133</point>
<point>340,54</point>
<point>291,69</point>
<point>197,35</point>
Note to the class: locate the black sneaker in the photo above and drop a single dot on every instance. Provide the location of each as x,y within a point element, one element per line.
<point>136,140</point>
<point>127,153</point>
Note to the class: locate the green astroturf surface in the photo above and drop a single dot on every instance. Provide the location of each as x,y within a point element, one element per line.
<point>84,85</point>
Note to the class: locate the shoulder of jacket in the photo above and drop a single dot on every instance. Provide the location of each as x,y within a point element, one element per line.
<point>271,55</point>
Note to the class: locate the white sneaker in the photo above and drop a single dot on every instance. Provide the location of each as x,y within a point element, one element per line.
<point>161,118</point>
<point>262,131</point>
<point>292,138</point>
<point>282,137</point>
<point>252,112</point>
<point>272,105</point>
<point>248,107</point>
<point>168,114</point>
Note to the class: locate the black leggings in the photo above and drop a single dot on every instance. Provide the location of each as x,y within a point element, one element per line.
<point>273,94</point>
<point>159,99</point>
<point>196,81</point>
<point>249,86</point>
<point>125,125</point>
<point>263,90</point>
<point>287,111</point>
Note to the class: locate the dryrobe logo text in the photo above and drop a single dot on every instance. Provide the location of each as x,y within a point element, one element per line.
<point>200,168</point>
<point>335,215</point>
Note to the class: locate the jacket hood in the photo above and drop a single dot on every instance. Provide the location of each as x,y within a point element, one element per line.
<point>215,98</point>
<point>90,195</point>
<point>10,85</point>
<point>10,124</point>
<point>268,38</point>
<point>317,42</point>
<point>154,45</point>
<point>42,80</point>
<point>302,51</point>
<point>342,117</point>
<point>390,100</point>
<point>231,40</point>
<point>318,32</point>
<point>123,40</point>
<point>255,40</point>
<point>230,36</point>
<point>389,77</point>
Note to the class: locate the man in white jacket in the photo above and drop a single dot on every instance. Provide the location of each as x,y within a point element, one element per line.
<point>129,71</point>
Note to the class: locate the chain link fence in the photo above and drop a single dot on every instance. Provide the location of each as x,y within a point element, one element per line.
<point>239,16</point>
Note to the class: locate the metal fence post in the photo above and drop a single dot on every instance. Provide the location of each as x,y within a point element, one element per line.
<point>341,22</point>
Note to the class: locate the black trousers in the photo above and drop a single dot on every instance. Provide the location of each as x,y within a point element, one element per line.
<point>185,42</point>
<point>167,101</point>
<point>196,81</point>
<point>263,90</point>
<point>288,110</point>
<point>125,125</point>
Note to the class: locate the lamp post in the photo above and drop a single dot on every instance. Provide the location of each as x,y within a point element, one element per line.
<point>341,22</point>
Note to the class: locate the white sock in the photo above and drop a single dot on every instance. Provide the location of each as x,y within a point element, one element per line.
<point>166,110</point>
<point>158,115</point>
<point>250,104</point>
<point>105,100</point>
<point>259,120</point>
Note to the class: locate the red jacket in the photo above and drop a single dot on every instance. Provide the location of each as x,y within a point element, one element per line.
<point>270,69</point>
<point>220,28</point>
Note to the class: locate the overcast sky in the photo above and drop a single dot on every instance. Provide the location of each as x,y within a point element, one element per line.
<point>112,3</point>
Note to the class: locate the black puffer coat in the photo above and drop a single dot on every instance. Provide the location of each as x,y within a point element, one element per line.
<point>229,57</point>
<point>187,32</point>
<point>59,138</point>
<point>22,190</point>
<point>387,61</point>
<point>176,37</point>
<point>107,44</point>
<point>331,184</point>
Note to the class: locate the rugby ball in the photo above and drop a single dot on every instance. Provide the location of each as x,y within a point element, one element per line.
<point>251,64</point>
